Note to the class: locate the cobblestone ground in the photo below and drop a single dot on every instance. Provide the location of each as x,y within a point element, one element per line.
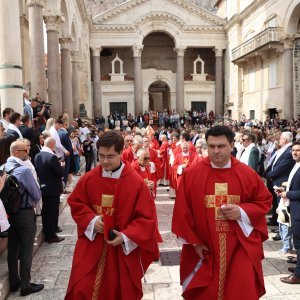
<point>52,263</point>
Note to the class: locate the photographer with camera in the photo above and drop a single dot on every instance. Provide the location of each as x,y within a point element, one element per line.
<point>41,112</point>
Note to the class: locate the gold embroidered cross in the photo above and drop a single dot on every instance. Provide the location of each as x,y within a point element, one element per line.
<point>106,205</point>
<point>220,198</point>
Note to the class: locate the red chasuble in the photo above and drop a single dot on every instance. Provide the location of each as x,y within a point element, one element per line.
<point>180,160</point>
<point>101,271</point>
<point>232,268</point>
<point>146,175</point>
<point>127,155</point>
<point>163,151</point>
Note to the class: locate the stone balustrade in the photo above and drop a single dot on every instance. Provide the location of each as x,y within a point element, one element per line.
<point>269,35</point>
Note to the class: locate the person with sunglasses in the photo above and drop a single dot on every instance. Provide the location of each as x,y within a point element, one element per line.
<point>23,227</point>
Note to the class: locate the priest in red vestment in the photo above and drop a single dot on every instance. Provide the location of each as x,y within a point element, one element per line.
<point>163,155</point>
<point>117,227</point>
<point>129,154</point>
<point>219,215</point>
<point>183,161</point>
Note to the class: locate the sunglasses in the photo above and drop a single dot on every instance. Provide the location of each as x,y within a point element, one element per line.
<point>146,158</point>
<point>26,150</point>
<point>245,140</point>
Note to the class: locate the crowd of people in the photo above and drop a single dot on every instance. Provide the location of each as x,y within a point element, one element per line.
<point>131,157</point>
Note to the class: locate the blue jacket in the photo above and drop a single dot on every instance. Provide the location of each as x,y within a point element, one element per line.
<point>294,195</point>
<point>282,168</point>
<point>27,184</point>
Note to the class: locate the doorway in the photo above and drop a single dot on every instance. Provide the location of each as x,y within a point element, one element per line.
<point>120,107</point>
<point>159,96</point>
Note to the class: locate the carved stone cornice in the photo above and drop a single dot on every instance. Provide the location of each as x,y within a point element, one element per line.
<point>129,5</point>
<point>249,10</point>
<point>137,50</point>
<point>65,41</point>
<point>40,3</point>
<point>180,50</point>
<point>53,22</point>
<point>96,51</point>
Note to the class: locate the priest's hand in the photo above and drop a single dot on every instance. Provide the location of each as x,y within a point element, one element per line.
<point>200,250</point>
<point>232,212</point>
<point>118,240</point>
<point>99,226</point>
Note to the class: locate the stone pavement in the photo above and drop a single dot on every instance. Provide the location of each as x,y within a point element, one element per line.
<point>52,263</point>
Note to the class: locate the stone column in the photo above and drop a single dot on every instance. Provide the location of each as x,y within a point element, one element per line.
<point>11,88</point>
<point>219,101</point>
<point>37,52</point>
<point>75,85</point>
<point>138,89</point>
<point>66,75</point>
<point>180,79</point>
<point>53,23</point>
<point>288,99</point>
<point>97,96</point>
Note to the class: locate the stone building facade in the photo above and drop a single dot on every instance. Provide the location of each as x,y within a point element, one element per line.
<point>262,58</point>
<point>232,57</point>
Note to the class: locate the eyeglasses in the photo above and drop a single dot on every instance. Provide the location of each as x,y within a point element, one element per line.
<point>245,140</point>
<point>129,141</point>
<point>26,150</point>
<point>146,158</point>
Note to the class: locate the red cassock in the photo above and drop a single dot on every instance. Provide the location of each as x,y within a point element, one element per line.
<point>163,152</point>
<point>154,158</point>
<point>180,160</point>
<point>232,268</point>
<point>154,144</point>
<point>127,155</point>
<point>146,175</point>
<point>101,271</point>
<point>173,176</point>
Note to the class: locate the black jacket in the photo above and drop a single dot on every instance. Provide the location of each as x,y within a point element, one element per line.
<point>50,173</point>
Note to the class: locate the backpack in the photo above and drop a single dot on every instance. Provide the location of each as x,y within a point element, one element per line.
<point>10,194</point>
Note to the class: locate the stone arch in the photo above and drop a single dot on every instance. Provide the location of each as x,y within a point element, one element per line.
<point>156,78</point>
<point>159,95</point>
<point>292,16</point>
<point>166,27</point>
<point>65,29</point>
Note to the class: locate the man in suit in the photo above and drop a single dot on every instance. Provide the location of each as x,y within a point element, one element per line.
<point>66,142</point>
<point>50,173</point>
<point>279,170</point>
<point>250,154</point>
<point>22,223</point>
<point>292,197</point>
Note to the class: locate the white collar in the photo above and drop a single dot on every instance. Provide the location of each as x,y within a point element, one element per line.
<point>227,166</point>
<point>115,175</point>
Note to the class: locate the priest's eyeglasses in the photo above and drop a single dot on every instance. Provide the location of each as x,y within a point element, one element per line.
<point>107,157</point>
<point>146,158</point>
